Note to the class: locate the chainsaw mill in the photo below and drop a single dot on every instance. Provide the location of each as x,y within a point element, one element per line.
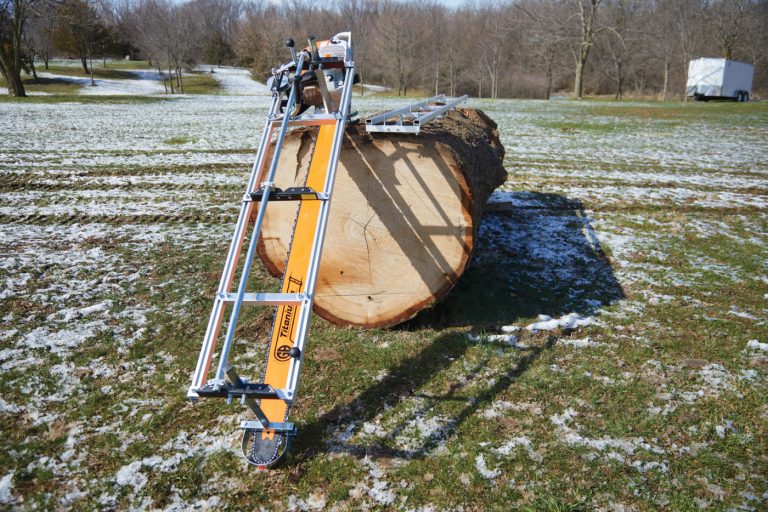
<point>313,89</point>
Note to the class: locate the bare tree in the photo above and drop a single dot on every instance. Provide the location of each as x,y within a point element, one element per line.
<point>729,19</point>
<point>664,41</point>
<point>484,47</point>
<point>587,23</point>
<point>400,42</point>
<point>620,33</point>
<point>14,15</point>
<point>686,20</point>
<point>39,33</point>
<point>491,41</point>
<point>360,16</point>
<point>545,27</point>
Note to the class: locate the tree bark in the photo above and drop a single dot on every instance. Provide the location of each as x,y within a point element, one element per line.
<point>10,54</point>
<point>403,219</point>
<point>12,75</point>
<point>577,86</point>
<point>90,61</point>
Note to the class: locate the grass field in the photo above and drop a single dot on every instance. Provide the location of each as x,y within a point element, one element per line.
<point>67,78</point>
<point>624,265</point>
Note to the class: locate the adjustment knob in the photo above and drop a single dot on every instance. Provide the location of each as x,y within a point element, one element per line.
<point>294,353</point>
<point>289,43</point>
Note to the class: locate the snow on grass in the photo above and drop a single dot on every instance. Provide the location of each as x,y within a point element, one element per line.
<point>217,123</point>
<point>563,246</point>
<point>236,81</point>
<point>757,346</point>
<point>627,194</point>
<point>509,339</point>
<point>509,446</point>
<point>94,202</point>
<point>672,178</point>
<point>77,178</point>
<point>4,92</point>
<point>374,488</point>
<point>482,468</point>
<point>569,321</point>
<point>376,88</point>
<point>498,407</point>
<point>558,130</point>
<point>551,250</point>
<point>579,343</point>
<point>6,484</point>
<point>611,449</point>
<point>146,83</point>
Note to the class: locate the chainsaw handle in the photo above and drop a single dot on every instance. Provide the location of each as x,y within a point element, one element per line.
<point>344,35</point>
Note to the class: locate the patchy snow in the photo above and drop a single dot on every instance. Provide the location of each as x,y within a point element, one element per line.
<point>131,475</point>
<point>6,484</point>
<point>498,407</point>
<point>374,485</point>
<point>757,346</point>
<point>612,449</point>
<point>511,444</point>
<point>315,501</point>
<point>8,407</point>
<point>569,321</point>
<point>376,88</point>
<point>204,505</point>
<point>717,378</point>
<point>88,285</point>
<point>236,80</point>
<point>4,92</point>
<point>146,83</point>
<point>482,468</point>
<point>62,341</point>
<point>423,431</point>
<point>503,338</point>
<point>579,343</point>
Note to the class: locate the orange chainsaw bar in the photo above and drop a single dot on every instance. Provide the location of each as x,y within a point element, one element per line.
<point>299,256</point>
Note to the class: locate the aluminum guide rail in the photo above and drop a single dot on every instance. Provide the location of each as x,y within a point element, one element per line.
<point>327,66</point>
<point>417,114</point>
<point>262,431</point>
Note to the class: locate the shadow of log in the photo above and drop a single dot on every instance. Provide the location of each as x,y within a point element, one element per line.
<point>535,254</point>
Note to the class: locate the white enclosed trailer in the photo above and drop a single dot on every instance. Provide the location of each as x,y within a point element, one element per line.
<point>719,79</point>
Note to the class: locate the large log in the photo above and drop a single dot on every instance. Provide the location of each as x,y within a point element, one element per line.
<point>404,214</point>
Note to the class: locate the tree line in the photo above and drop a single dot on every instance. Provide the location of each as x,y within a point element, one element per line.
<point>520,48</point>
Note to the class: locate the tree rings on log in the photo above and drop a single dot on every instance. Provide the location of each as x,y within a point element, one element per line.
<point>403,219</point>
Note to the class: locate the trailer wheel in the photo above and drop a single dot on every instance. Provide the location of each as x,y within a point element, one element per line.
<point>739,96</point>
<point>745,96</point>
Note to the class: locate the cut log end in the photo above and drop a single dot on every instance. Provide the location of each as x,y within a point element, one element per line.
<point>403,216</point>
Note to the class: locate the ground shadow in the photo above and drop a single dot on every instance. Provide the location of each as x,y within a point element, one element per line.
<point>535,254</point>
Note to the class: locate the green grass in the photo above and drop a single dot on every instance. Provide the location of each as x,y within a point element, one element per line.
<point>54,86</point>
<point>200,83</point>
<point>127,64</point>
<point>181,139</point>
<point>68,97</point>
<point>584,126</point>
<point>665,316</point>
<point>98,72</point>
<point>194,83</point>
